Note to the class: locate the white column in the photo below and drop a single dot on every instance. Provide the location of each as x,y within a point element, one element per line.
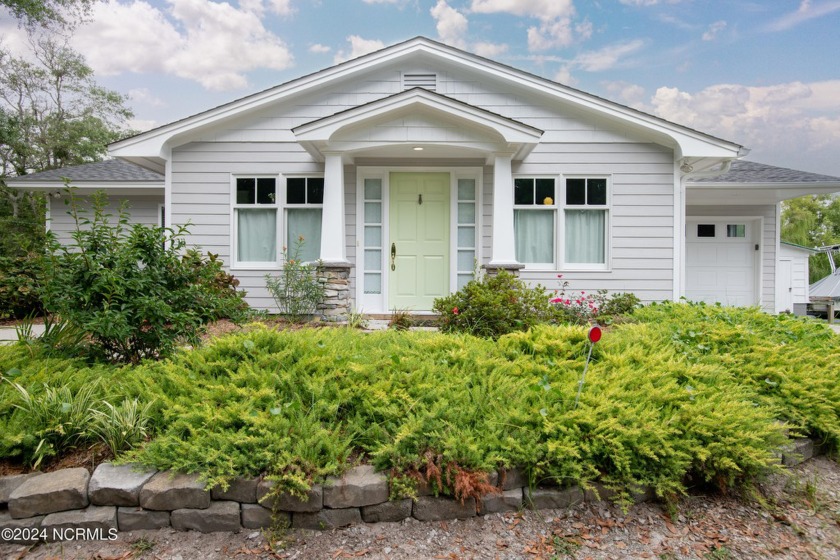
<point>504,247</point>
<point>333,243</point>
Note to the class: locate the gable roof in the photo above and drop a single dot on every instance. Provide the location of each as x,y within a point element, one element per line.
<point>753,172</point>
<point>108,171</point>
<point>687,141</point>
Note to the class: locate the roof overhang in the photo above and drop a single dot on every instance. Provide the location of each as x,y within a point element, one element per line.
<point>753,193</point>
<point>90,187</point>
<point>480,132</point>
<point>683,140</point>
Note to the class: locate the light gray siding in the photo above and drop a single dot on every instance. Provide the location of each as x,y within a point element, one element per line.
<point>641,174</point>
<point>142,209</point>
<point>769,235</point>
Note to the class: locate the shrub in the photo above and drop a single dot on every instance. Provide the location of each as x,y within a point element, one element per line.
<point>297,289</point>
<point>20,279</point>
<point>130,288</point>
<point>583,308</point>
<point>494,305</point>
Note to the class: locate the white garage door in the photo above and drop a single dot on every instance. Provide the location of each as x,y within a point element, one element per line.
<point>721,262</point>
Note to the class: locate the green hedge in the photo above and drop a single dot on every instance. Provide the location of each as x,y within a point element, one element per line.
<point>687,393</point>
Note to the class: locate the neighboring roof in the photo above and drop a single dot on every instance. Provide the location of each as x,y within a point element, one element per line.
<point>828,287</point>
<point>800,247</point>
<point>108,171</point>
<point>753,172</point>
<point>691,142</point>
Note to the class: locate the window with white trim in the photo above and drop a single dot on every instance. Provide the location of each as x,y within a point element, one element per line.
<point>585,216</point>
<point>255,221</point>
<point>534,221</point>
<point>304,206</point>
<point>581,227</point>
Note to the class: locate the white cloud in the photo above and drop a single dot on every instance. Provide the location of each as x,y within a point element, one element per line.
<point>142,125</point>
<point>381,1</point>
<point>489,50</point>
<point>806,12</point>
<point>632,95</point>
<point>280,7</point>
<point>211,43</point>
<point>541,9</point>
<point>793,124</point>
<point>318,48</point>
<point>564,76</point>
<point>145,96</point>
<point>714,30</point>
<point>358,47</point>
<point>607,57</point>
<point>556,27</point>
<point>451,24</point>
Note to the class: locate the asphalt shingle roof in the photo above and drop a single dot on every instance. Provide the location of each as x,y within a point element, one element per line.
<point>108,171</point>
<point>752,172</point>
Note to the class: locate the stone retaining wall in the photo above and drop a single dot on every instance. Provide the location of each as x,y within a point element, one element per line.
<point>125,499</point>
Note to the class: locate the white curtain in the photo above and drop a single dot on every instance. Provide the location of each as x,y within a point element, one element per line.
<point>256,235</point>
<point>305,223</point>
<point>534,232</point>
<point>586,236</point>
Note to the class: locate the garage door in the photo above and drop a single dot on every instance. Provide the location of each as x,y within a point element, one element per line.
<point>721,262</point>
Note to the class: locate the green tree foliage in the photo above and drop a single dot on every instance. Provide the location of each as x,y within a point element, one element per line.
<point>46,12</point>
<point>812,221</point>
<point>52,115</point>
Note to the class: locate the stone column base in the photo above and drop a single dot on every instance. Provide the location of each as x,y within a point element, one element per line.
<point>493,269</point>
<point>335,276</point>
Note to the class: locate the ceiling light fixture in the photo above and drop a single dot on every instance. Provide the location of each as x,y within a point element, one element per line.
<point>417,148</point>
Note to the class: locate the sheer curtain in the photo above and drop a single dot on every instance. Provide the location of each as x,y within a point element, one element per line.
<point>257,235</point>
<point>305,223</point>
<point>534,231</point>
<point>585,236</point>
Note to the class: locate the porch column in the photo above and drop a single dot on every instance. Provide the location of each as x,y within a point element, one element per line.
<point>503,248</point>
<point>333,246</point>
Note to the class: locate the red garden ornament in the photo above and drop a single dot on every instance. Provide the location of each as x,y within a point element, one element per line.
<point>594,335</point>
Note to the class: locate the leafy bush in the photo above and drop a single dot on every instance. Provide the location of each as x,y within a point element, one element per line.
<point>297,289</point>
<point>492,306</point>
<point>20,279</point>
<point>130,288</point>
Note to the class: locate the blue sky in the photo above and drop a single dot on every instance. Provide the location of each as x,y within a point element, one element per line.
<point>765,74</point>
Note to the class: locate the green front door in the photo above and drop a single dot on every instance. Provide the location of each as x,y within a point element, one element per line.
<point>419,244</point>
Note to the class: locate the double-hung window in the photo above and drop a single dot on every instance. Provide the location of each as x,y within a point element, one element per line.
<point>585,217</point>
<point>255,219</point>
<point>304,204</point>
<point>534,221</point>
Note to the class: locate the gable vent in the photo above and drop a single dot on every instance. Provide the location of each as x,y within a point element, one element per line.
<point>414,80</point>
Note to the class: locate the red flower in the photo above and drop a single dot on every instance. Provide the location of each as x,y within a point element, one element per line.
<point>455,311</point>
<point>556,300</point>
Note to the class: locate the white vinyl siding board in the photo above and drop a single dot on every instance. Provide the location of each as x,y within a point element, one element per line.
<point>201,197</point>
<point>641,174</point>
<point>142,210</point>
<point>641,215</point>
<point>767,242</point>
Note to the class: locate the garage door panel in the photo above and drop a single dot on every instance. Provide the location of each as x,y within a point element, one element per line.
<point>720,270</point>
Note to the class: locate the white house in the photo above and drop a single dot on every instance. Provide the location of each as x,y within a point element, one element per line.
<point>404,168</point>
